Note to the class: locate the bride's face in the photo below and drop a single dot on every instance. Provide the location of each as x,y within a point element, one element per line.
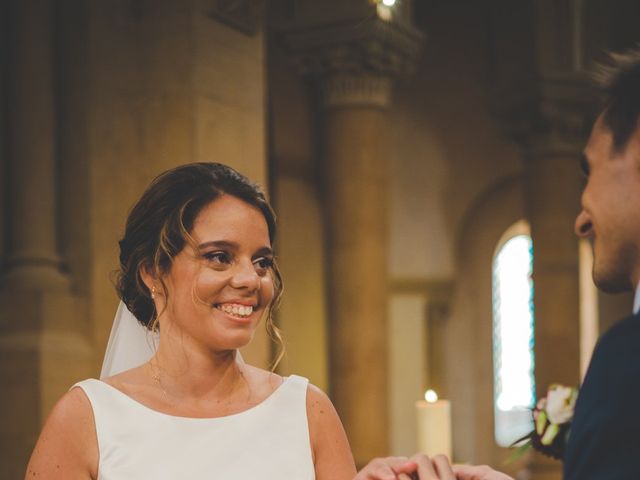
<point>218,293</point>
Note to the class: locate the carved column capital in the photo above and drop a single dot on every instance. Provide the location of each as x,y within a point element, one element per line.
<point>565,112</point>
<point>356,90</point>
<point>353,41</point>
<point>246,16</point>
<point>558,118</point>
<point>354,58</point>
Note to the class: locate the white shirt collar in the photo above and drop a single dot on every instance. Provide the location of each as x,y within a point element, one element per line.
<point>636,300</point>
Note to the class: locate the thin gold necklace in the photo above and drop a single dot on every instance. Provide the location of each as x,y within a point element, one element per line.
<point>155,376</point>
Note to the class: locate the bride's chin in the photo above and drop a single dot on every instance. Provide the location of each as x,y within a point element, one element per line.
<point>232,344</point>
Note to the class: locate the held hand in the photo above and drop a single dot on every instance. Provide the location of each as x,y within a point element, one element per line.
<point>439,468</point>
<point>436,468</point>
<point>421,467</point>
<point>418,467</point>
<point>390,468</point>
<point>478,472</point>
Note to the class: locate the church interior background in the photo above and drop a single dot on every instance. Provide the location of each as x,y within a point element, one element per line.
<point>403,144</point>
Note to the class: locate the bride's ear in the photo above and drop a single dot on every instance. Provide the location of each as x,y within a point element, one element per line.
<point>149,278</point>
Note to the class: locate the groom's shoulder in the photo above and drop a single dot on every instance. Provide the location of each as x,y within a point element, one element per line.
<point>620,342</point>
<point>603,443</point>
<point>628,327</point>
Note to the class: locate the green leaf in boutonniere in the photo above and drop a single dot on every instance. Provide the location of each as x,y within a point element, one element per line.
<point>541,422</point>
<point>550,434</point>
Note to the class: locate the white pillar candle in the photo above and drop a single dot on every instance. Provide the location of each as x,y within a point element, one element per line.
<point>434,425</point>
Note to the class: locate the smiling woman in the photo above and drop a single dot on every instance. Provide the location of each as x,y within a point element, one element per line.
<point>197,268</point>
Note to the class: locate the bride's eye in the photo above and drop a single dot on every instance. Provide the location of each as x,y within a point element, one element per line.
<point>218,258</point>
<point>263,264</point>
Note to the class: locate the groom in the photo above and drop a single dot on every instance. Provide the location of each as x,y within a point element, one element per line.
<point>605,436</point>
<point>604,440</point>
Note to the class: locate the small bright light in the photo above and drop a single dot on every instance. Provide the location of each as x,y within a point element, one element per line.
<point>388,3</point>
<point>431,396</point>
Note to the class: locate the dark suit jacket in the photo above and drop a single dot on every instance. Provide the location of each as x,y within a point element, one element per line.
<point>604,442</point>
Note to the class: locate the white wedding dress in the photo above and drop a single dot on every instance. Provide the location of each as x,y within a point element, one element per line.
<point>269,441</point>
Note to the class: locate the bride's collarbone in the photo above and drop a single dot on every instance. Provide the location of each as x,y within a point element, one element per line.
<point>173,400</point>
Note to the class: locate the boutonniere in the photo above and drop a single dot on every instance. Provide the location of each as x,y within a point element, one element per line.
<point>552,418</point>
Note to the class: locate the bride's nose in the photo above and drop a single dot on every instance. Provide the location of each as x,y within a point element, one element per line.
<point>245,276</point>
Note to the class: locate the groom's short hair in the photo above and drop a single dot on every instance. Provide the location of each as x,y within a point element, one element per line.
<point>619,79</point>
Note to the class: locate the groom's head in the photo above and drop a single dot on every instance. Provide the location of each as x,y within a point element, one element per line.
<point>611,200</point>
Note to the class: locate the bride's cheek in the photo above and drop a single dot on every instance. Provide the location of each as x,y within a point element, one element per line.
<point>267,289</point>
<point>208,285</point>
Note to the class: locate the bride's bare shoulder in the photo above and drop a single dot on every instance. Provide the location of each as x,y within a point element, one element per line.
<point>67,446</point>
<point>72,413</point>
<point>134,377</point>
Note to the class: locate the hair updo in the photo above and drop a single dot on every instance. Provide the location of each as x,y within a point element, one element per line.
<point>160,223</point>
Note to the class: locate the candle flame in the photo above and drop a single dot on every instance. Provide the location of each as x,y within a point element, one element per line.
<point>431,396</point>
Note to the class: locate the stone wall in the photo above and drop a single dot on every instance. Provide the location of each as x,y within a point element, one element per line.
<point>133,89</point>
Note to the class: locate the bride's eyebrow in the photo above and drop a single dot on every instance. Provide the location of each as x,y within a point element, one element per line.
<point>225,244</point>
<point>228,245</point>
<point>264,252</point>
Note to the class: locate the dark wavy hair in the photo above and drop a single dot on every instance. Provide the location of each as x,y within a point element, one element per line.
<point>619,79</point>
<point>160,223</point>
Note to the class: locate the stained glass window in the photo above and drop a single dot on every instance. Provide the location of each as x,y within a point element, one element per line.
<point>513,323</point>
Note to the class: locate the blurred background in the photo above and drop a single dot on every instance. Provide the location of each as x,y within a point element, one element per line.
<point>422,157</point>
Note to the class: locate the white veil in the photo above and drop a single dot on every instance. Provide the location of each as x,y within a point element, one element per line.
<point>130,344</point>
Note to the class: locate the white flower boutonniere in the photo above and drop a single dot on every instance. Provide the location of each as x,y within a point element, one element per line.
<point>561,402</point>
<point>552,417</point>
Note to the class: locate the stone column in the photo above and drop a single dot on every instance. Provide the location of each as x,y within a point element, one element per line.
<point>356,209</point>
<point>43,341</point>
<point>552,199</point>
<point>555,115</point>
<point>352,51</point>
<point>32,260</point>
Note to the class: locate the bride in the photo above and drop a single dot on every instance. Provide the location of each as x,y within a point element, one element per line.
<point>197,269</point>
